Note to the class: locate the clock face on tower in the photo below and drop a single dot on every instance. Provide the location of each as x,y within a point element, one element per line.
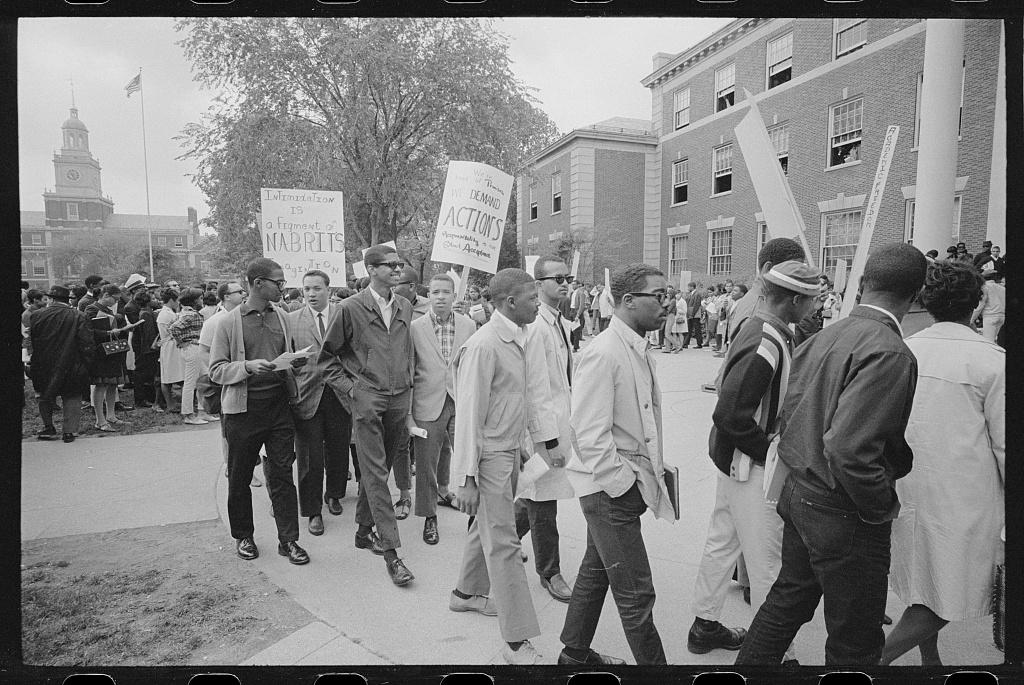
<point>72,174</point>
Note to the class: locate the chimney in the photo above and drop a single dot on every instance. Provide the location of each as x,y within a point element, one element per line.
<point>193,217</point>
<point>661,59</point>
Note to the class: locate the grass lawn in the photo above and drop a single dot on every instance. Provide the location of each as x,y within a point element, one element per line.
<point>157,596</point>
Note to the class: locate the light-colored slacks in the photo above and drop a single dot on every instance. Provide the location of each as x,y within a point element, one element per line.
<point>491,558</point>
<point>192,368</point>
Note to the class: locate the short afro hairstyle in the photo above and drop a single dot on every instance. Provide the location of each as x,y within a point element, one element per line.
<point>190,297</point>
<point>778,250</point>
<point>506,282</point>
<point>377,254</point>
<point>631,278</point>
<point>895,268</point>
<point>261,267</point>
<point>540,265</point>
<point>951,290</point>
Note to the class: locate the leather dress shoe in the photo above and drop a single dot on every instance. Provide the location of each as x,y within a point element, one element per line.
<point>246,548</point>
<point>316,525</point>
<point>400,575</point>
<point>370,542</point>
<point>593,659</point>
<point>430,531</point>
<point>708,635</point>
<point>69,437</point>
<point>557,587</point>
<point>295,554</point>
<point>334,506</point>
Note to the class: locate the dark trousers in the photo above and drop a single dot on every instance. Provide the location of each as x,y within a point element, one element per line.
<point>694,330</point>
<point>378,422</point>
<point>434,460</point>
<point>576,336</point>
<point>71,405</point>
<point>615,557</point>
<point>265,423</point>
<point>826,550</point>
<point>402,466</point>
<point>540,518</point>
<point>321,447</point>
<point>145,375</point>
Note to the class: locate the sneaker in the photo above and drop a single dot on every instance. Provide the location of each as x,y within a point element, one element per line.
<point>47,434</point>
<point>707,635</point>
<point>526,655</point>
<point>194,420</point>
<point>203,416</point>
<point>478,603</point>
<point>158,409</point>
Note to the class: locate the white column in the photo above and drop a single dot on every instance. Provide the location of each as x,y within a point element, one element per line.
<point>996,229</point>
<point>937,151</point>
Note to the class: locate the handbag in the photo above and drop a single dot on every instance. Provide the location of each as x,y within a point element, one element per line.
<point>114,347</point>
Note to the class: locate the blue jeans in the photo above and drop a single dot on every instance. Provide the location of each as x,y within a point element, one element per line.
<point>615,557</point>
<point>827,550</point>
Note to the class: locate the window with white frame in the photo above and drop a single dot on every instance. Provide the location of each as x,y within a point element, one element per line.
<point>763,236</point>
<point>780,141</point>
<point>720,252</point>
<point>917,107</point>
<point>845,129</point>
<point>780,60</point>
<point>24,268</point>
<point>840,232</point>
<point>722,170</point>
<point>73,211</point>
<point>908,222</point>
<point>680,181</point>
<point>850,34</point>
<point>533,205</point>
<point>681,108</point>
<point>556,193</point>
<point>179,241</point>
<point>161,240</point>
<point>39,269</point>
<point>37,238</point>
<point>677,248</point>
<point>725,87</point>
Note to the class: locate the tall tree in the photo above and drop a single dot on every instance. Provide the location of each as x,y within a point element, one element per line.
<point>375,107</point>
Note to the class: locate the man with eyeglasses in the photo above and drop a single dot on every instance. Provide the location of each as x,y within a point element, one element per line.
<point>370,333</point>
<point>616,419</point>
<point>256,409</point>
<point>537,507</point>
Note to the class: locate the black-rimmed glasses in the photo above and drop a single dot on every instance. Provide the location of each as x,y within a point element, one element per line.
<point>280,284</point>
<point>661,296</point>
<point>391,265</point>
<point>559,279</point>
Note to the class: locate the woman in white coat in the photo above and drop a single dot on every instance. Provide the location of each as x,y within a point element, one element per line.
<point>945,543</point>
<point>172,367</point>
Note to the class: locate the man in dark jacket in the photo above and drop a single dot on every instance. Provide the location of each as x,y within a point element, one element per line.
<point>692,299</point>
<point>61,348</point>
<point>844,417</point>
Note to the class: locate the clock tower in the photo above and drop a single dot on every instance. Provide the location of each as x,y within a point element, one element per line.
<point>78,198</point>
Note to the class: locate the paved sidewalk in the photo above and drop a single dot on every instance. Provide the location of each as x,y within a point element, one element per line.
<point>110,483</point>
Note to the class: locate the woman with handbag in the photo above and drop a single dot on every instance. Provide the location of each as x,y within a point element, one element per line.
<point>107,370</point>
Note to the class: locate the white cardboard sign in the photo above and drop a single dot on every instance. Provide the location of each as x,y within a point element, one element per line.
<point>471,222</point>
<point>303,230</point>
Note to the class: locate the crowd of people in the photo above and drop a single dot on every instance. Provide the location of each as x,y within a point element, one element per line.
<point>848,459</point>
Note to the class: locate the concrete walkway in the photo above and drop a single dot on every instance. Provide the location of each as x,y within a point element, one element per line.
<point>108,483</point>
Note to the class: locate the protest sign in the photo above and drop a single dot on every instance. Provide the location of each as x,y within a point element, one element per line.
<point>531,261</point>
<point>471,222</point>
<point>359,268</point>
<point>303,230</point>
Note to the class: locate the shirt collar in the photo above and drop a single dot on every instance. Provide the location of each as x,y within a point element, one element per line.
<point>629,336</point>
<point>381,302</point>
<point>887,313</point>
<point>437,321</point>
<point>507,330</point>
<point>246,308</point>
<point>313,312</point>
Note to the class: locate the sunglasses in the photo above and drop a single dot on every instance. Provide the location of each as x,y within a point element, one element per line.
<point>280,284</point>
<point>391,265</point>
<point>559,279</point>
<point>661,296</point>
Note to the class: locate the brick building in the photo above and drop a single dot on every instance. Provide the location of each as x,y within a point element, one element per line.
<point>586,190</point>
<point>77,205</point>
<point>827,89</point>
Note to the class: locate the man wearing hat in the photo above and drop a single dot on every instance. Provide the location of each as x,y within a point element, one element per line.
<point>130,308</point>
<point>746,420</point>
<point>983,257</point>
<point>61,348</point>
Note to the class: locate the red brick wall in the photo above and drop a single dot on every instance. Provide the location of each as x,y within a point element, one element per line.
<point>546,223</point>
<point>618,210</point>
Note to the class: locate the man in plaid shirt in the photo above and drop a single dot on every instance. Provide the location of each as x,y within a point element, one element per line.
<point>435,338</point>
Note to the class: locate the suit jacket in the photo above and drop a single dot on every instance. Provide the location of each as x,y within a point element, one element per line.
<point>432,378</point>
<point>320,370</point>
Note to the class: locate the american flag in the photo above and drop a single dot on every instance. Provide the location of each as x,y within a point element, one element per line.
<point>134,85</point>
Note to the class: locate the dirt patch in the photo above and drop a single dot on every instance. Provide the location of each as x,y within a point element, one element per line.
<point>163,595</point>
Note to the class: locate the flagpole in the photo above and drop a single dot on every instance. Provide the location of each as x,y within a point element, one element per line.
<point>145,166</point>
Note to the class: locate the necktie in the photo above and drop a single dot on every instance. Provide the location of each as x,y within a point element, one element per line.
<point>568,350</point>
<point>320,324</point>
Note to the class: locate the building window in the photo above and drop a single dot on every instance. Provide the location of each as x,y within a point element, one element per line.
<point>179,241</point>
<point>722,166</point>
<point>720,252</point>
<point>37,238</point>
<point>909,221</point>
<point>845,125</point>
<point>161,240</point>
<point>763,236</point>
<point>681,107</point>
<point>677,246</point>
<point>780,60</point>
<point>780,141</point>
<point>680,181</point>
<point>850,35</point>
<point>24,268</point>
<point>39,269</point>
<point>556,193</point>
<point>73,211</point>
<point>725,87</point>
<point>840,232</point>
<point>535,240</point>
<point>533,206</point>
<point>917,107</point>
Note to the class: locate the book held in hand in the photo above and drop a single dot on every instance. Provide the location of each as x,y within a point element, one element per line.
<point>671,476</point>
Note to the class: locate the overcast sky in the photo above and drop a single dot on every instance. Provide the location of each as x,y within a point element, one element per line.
<point>583,70</point>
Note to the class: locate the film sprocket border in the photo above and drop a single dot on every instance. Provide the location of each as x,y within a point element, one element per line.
<point>12,668</point>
